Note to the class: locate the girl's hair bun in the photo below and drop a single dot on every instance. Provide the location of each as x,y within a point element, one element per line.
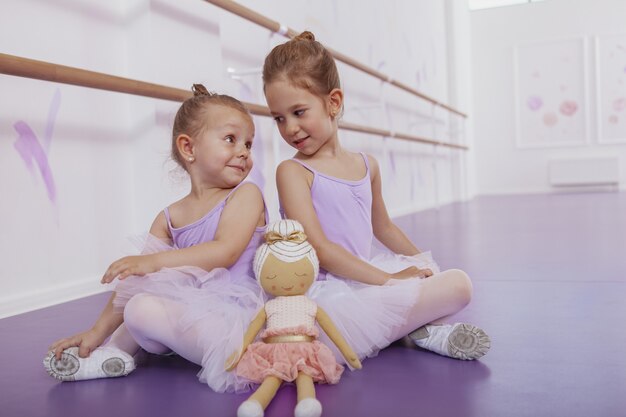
<point>200,90</point>
<point>305,36</point>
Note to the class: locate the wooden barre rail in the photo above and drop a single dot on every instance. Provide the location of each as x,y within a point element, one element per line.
<point>276,27</point>
<point>40,70</point>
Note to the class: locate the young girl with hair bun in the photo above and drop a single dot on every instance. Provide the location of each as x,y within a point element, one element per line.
<point>192,289</point>
<point>336,195</point>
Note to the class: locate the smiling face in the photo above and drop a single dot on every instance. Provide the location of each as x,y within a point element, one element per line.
<point>286,278</point>
<point>304,119</point>
<point>222,150</point>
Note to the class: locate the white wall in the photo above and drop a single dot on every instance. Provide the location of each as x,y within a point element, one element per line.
<point>108,152</point>
<point>501,167</point>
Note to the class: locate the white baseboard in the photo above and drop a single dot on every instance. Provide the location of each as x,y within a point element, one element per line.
<point>34,300</point>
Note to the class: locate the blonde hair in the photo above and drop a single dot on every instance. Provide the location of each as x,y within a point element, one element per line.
<point>285,239</point>
<point>305,63</point>
<point>191,116</point>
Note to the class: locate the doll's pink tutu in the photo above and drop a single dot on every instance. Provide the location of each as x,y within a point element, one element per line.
<point>218,305</point>
<point>285,360</point>
<point>369,315</point>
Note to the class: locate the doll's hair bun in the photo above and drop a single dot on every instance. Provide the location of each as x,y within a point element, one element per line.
<point>305,36</point>
<point>285,239</point>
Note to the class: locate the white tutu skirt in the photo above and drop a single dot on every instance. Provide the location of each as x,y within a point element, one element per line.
<point>366,315</point>
<point>219,309</point>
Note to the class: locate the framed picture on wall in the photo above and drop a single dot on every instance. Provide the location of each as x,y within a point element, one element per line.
<point>551,87</point>
<point>611,88</point>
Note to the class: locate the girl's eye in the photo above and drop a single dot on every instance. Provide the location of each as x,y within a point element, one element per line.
<point>299,112</point>
<point>301,275</point>
<point>248,145</point>
<point>272,277</point>
<point>230,139</point>
<point>278,119</point>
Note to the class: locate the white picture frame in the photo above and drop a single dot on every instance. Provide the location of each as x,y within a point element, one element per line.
<point>551,94</point>
<point>610,57</point>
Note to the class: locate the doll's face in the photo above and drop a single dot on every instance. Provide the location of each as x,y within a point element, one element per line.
<point>286,278</point>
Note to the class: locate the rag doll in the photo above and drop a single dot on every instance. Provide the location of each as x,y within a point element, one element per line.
<point>288,350</point>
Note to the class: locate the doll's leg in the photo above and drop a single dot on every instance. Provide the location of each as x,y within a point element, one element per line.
<point>440,296</point>
<point>255,405</point>
<point>308,405</point>
<point>153,323</point>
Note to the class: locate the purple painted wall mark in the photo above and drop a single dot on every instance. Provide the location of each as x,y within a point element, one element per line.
<point>568,108</point>
<point>550,119</point>
<point>32,150</point>
<point>619,104</point>
<point>534,103</point>
<point>625,69</point>
<point>613,119</point>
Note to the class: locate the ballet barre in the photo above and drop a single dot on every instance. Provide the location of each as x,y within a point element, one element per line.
<point>276,27</point>
<point>40,70</point>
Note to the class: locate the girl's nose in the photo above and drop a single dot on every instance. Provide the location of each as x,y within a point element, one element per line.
<point>243,151</point>
<point>293,128</point>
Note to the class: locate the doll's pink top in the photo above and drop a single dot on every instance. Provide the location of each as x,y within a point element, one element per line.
<point>344,209</point>
<point>293,311</point>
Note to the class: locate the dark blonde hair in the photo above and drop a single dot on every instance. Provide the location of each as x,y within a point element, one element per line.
<point>305,63</point>
<point>191,116</point>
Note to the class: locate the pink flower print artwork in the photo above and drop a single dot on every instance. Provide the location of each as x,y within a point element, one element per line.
<point>534,103</point>
<point>32,149</point>
<point>568,108</point>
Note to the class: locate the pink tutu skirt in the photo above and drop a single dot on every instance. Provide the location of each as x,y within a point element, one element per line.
<point>368,316</point>
<point>218,305</point>
<point>286,360</point>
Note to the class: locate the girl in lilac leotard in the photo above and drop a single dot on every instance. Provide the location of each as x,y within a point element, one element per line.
<point>337,196</point>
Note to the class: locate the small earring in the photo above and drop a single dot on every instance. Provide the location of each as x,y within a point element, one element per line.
<point>191,159</point>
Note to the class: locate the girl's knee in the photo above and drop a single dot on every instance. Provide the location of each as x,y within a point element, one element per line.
<point>140,309</point>
<point>462,286</point>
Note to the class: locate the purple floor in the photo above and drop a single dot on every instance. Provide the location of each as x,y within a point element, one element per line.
<point>549,275</point>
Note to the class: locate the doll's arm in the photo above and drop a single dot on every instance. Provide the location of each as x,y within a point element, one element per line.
<point>253,329</point>
<point>331,330</point>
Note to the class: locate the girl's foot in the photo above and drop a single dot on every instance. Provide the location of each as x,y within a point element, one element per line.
<point>250,408</point>
<point>309,407</point>
<point>104,362</point>
<point>460,340</point>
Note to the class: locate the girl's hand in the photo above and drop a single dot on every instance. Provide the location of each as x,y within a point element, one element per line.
<point>412,272</point>
<point>130,265</point>
<point>86,342</point>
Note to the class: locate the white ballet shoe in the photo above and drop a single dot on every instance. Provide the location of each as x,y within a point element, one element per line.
<point>104,362</point>
<point>250,408</point>
<point>460,340</point>
<point>309,407</point>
